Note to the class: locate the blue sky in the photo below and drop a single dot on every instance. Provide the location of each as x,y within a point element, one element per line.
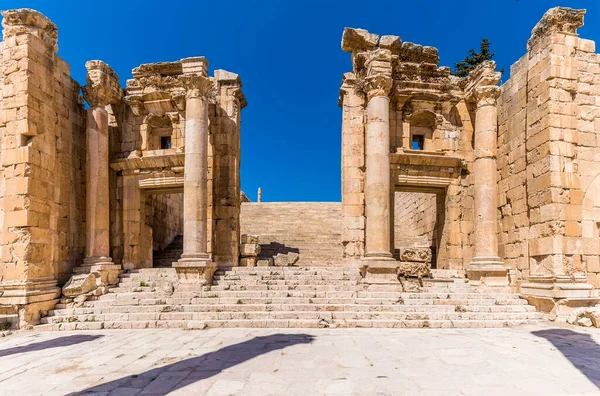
<point>289,58</point>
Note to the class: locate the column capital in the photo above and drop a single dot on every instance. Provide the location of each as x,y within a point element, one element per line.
<point>378,85</point>
<point>102,85</point>
<point>486,95</point>
<point>198,86</point>
<point>25,20</point>
<point>557,19</point>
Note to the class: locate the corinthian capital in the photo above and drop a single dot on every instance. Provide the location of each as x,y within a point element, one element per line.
<point>198,86</point>
<point>378,85</point>
<point>102,85</point>
<point>557,19</point>
<point>486,95</point>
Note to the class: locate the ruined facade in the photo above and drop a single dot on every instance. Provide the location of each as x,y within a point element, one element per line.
<point>483,194</point>
<point>93,191</point>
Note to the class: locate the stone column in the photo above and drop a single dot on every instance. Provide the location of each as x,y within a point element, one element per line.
<point>102,89</point>
<point>195,266</point>
<point>377,163</point>
<point>486,265</point>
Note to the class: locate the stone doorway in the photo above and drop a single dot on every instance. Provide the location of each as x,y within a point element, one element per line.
<point>419,216</point>
<point>163,228</point>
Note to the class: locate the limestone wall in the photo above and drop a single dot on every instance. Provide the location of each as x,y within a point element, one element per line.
<point>312,229</point>
<point>414,215</point>
<point>43,159</point>
<point>548,155</point>
<point>512,169</point>
<point>164,214</point>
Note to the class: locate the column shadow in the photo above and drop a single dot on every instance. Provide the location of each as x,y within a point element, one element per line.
<point>53,343</point>
<point>165,379</point>
<point>580,348</point>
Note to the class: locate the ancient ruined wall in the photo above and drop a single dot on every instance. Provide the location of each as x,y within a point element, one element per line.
<point>164,214</point>
<point>43,160</point>
<point>512,169</point>
<point>548,157</point>
<point>414,215</point>
<point>587,155</point>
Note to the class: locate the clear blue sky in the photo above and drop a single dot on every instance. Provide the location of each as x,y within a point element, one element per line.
<point>289,58</point>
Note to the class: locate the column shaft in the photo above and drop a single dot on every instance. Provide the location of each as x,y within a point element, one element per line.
<point>97,248</point>
<point>377,189</point>
<point>195,192</point>
<point>485,185</point>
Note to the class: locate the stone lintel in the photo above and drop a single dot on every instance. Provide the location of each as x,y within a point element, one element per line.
<point>557,19</point>
<point>168,160</point>
<point>195,65</point>
<point>26,20</point>
<point>427,158</point>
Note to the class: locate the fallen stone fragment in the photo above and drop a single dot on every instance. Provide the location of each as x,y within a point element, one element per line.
<point>286,260</point>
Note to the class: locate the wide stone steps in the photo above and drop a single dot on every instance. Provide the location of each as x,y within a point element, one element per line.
<point>290,297</point>
<point>245,294</point>
<point>284,323</point>
<point>296,315</point>
<point>286,307</point>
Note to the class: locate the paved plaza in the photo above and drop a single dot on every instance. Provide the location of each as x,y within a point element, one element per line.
<point>533,360</point>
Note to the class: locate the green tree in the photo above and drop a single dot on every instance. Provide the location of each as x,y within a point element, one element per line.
<point>464,67</point>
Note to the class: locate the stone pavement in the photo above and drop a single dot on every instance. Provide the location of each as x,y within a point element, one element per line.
<point>532,360</point>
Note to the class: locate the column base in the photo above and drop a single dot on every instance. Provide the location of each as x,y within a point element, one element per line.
<point>559,296</point>
<point>23,304</point>
<point>488,271</point>
<point>194,271</point>
<point>377,270</point>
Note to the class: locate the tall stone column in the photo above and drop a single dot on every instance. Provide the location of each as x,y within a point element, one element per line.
<point>377,162</point>
<point>102,89</point>
<point>195,266</point>
<point>486,265</point>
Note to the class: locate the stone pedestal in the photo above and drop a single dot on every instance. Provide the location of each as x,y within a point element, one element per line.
<point>559,295</point>
<point>379,272</point>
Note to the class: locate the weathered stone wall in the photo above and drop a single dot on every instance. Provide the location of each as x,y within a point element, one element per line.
<point>512,169</point>
<point>312,229</point>
<point>414,215</point>
<point>164,214</point>
<point>43,161</point>
<point>548,158</point>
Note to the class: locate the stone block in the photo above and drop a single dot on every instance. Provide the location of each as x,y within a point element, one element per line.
<point>285,260</point>
<point>82,284</point>
<point>248,262</point>
<point>249,249</point>
<point>416,254</point>
<point>246,238</point>
<point>264,262</point>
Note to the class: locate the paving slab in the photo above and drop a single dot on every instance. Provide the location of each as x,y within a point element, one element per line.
<point>541,359</point>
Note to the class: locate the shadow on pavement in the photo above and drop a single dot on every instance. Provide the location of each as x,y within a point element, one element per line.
<point>168,378</point>
<point>580,348</point>
<point>53,343</point>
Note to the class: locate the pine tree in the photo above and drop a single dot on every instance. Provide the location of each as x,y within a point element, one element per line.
<point>464,67</point>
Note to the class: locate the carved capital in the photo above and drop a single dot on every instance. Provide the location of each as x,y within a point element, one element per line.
<point>378,85</point>
<point>486,95</point>
<point>557,19</point>
<point>102,85</point>
<point>198,86</point>
<point>26,20</point>
<point>136,104</point>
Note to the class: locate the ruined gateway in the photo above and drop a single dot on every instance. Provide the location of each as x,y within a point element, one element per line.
<point>464,203</point>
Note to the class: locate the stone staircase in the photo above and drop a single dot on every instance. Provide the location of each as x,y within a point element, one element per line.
<point>290,297</point>
<point>311,229</point>
<point>165,258</point>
